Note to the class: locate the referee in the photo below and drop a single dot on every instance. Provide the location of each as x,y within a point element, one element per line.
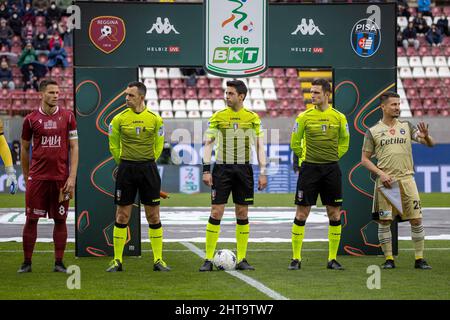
<point>234,129</point>
<point>320,138</point>
<point>136,139</point>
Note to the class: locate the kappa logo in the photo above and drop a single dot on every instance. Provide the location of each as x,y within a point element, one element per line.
<point>307,28</point>
<point>107,33</point>
<point>162,28</point>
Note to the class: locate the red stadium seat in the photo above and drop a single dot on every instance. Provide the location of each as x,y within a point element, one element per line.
<point>177,83</point>
<point>203,93</point>
<point>412,93</point>
<point>191,93</point>
<point>280,83</point>
<point>283,93</point>
<point>202,82</point>
<point>215,83</point>
<point>291,73</point>
<point>162,83</point>
<point>177,94</point>
<point>429,107</point>
<point>416,107</point>
<point>400,52</point>
<point>278,73</point>
<point>408,83</point>
<point>164,93</point>
<point>217,93</point>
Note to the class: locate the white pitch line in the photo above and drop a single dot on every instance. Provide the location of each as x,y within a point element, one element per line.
<point>250,281</point>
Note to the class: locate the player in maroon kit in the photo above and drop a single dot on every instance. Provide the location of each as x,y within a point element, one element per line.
<point>50,181</point>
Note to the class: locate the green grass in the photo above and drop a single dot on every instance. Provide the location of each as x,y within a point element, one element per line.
<point>185,282</point>
<point>203,199</point>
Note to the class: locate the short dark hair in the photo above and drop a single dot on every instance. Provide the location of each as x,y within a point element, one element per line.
<point>326,87</point>
<point>142,89</point>
<point>388,94</point>
<point>45,83</point>
<point>239,85</point>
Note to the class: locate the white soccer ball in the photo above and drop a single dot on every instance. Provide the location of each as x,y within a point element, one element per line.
<point>106,31</point>
<point>225,260</point>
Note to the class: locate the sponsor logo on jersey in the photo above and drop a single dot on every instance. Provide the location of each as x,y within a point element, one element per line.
<point>51,141</point>
<point>402,131</point>
<point>50,124</point>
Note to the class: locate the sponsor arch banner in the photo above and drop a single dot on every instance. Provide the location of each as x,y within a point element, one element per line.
<point>357,41</point>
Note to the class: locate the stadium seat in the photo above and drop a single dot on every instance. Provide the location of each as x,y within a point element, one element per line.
<point>411,52</point>
<point>278,73</point>
<point>412,93</point>
<point>218,93</point>
<point>400,52</point>
<point>436,51</point>
<point>271,105</point>
<point>405,73</point>
<point>269,94</point>
<point>427,61</point>
<point>194,114</point>
<point>431,72</point>
<point>204,93</point>
<point>215,83</point>
<point>179,105</point>
<point>177,94</point>
<point>293,83</point>
<point>162,83</point>
<point>429,107</point>
<point>267,83</point>
<point>291,73</point>
<point>148,73</point>
<point>153,105</point>
<point>151,94</point>
<point>256,94</point>
<point>164,94</point>
<point>161,73</point>
<point>166,114</point>
<point>408,83</point>
<point>177,83</point>
<point>259,105</point>
<point>440,61</point>
<point>180,114</point>
<point>444,72</point>
<point>280,83</point>
<point>150,83</point>
<point>254,83</point>
<point>436,11</point>
<point>418,72</point>
<point>218,104</point>
<point>402,62</point>
<point>424,93</point>
<point>202,82</point>
<point>207,114</point>
<point>415,62</point>
<point>174,73</point>
<point>192,105</point>
<point>165,105</point>
<point>205,105</point>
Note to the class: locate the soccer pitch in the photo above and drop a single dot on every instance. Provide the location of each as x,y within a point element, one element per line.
<point>270,280</point>
<point>313,281</point>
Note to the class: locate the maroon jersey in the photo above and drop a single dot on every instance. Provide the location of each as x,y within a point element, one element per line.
<point>51,135</point>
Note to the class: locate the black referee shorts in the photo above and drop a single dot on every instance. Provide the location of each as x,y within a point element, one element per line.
<point>323,179</point>
<point>137,175</point>
<point>235,178</point>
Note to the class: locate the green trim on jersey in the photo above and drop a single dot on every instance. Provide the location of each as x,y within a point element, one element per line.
<point>136,136</point>
<point>234,133</point>
<point>320,136</point>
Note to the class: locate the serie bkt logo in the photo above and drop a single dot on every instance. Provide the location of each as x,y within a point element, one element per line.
<point>365,38</point>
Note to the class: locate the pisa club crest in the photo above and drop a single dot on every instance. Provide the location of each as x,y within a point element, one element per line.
<point>365,38</point>
<point>107,33</point>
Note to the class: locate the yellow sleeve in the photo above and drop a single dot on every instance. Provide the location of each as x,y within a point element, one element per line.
<point>297,136</point>
<point>211,132</point>
<point>257,126</point>
<point>159,138</point>
<point>5,153</point>
<point>344,137</point>
<point>114,138</point>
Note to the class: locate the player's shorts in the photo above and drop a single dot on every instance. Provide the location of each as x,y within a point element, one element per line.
<point>410,201</point>
<point>42,200</point>
<point>315,179</point>
<point>134,176</point>
<point>235,178</point>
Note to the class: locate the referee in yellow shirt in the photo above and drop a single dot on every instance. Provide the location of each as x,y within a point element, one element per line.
<point>136,139</point>
<point>5,154</point>
<point>234,129</point>
<point>320,138</point>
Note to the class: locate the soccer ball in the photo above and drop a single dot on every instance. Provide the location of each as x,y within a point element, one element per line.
<point>224,260</point>
<point>106,31</point>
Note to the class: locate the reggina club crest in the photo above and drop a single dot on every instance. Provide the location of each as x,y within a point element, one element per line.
<point>107,33</point>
